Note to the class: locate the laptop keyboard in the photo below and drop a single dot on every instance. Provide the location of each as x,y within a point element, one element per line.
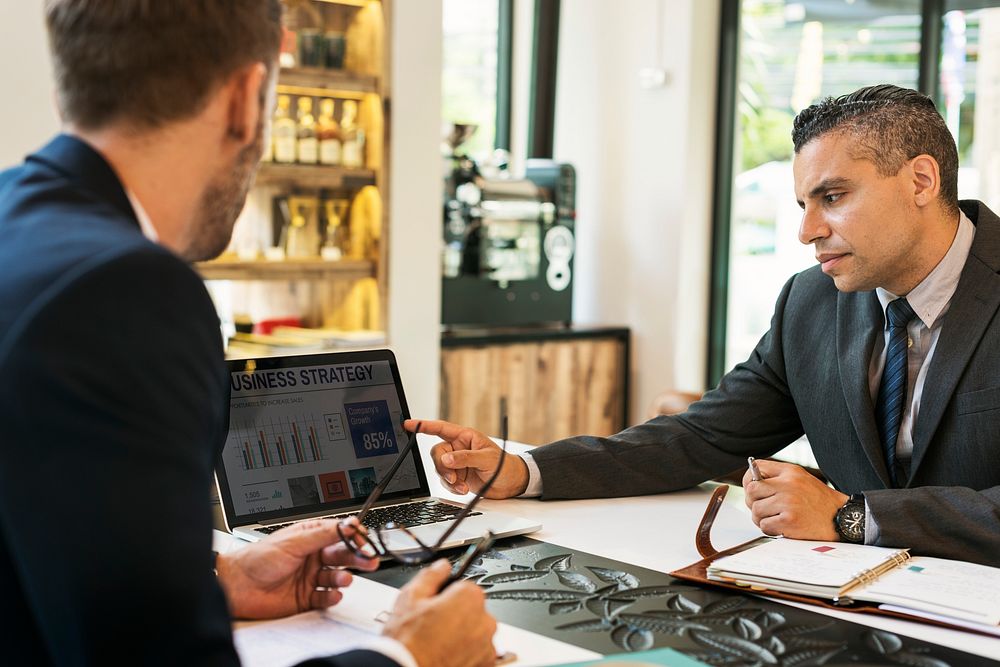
<point>409,515</point>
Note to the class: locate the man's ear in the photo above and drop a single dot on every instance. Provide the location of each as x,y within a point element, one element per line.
<point>245,108</point>
<point>925,175</point>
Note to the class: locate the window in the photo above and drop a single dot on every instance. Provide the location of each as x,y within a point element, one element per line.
<point>969,94</point>
<point>790,55</point>
<point>778,57</point>
<point>469,69</point>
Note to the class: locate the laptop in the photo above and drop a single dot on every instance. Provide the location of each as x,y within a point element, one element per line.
<point>311,435</point>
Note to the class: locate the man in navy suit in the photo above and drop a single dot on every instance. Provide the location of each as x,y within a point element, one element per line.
<point>112,384</point>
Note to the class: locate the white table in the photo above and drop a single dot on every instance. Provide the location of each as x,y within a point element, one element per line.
<point>659,535</point>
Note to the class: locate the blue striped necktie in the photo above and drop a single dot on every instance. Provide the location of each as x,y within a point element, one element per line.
<point>892,390</point>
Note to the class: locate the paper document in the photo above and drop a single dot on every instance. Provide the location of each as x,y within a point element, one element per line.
<point>954,588</point>
<point>291,640</point>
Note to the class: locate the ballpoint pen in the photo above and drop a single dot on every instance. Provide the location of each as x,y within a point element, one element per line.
<point>754,470</point>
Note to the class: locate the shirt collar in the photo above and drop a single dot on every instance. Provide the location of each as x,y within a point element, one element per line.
<point>931,297</point>
<point>145,223</point>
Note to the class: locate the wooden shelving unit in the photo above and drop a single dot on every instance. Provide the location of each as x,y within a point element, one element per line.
<point>321,81</point>
<point>312,176</point>
<point>288,269</point>
<point>326,289</point>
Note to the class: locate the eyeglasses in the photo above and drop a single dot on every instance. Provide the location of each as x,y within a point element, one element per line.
<point>416,552</point>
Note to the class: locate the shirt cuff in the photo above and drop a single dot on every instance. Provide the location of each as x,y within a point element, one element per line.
<point>392,649</point>
<point>872,532</point>
<point>534,477</point>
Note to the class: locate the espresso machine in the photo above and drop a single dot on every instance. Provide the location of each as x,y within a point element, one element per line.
<point>508,243</point>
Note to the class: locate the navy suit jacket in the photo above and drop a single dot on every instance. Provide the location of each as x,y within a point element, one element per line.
<point>112,399</point>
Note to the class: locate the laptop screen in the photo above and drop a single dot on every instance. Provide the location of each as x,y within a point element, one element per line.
<point>312,434</point>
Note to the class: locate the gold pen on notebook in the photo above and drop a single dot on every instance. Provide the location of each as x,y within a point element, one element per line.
<point>754,470</point>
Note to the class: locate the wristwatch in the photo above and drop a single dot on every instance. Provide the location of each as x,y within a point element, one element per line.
<point>850,519</point>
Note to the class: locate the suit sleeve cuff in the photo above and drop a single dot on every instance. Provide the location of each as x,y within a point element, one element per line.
<point>534,489</point>
<point>872,532</point>
<point>392,649</point>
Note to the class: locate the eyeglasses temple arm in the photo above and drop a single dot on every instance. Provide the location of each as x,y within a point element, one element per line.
<point>377,491</point>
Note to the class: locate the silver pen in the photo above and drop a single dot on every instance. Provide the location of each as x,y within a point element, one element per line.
<point>754,470</point>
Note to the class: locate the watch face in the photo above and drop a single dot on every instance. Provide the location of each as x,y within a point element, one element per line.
<point>852,523</point>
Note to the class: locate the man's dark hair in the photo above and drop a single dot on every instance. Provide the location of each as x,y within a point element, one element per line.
<point>891,125</point>
<point>145,63</point>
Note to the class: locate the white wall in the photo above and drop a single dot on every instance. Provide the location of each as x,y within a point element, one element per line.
<point>27,112</point>
<point>644,165</point>
<point>415,201</point>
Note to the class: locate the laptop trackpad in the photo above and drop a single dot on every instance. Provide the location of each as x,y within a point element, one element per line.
<point>429,535</point>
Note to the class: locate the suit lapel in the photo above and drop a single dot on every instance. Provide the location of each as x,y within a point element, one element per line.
<point>972,308</point>
<point>859,320</point>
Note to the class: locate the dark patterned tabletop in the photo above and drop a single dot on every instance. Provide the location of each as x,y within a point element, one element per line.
<point>611,607</point>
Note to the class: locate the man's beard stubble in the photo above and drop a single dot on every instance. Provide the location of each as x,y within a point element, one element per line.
<point>222,201</point>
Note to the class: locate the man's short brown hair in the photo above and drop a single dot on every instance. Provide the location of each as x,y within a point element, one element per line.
<point>145,63</point>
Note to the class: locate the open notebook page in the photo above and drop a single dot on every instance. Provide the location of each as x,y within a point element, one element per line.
<point>947,587</point>
<point>818,564</point>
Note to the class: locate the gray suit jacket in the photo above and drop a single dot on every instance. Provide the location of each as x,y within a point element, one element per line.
<point>809,374</point>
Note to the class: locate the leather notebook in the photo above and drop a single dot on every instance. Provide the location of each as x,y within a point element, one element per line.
<point>698,572</point>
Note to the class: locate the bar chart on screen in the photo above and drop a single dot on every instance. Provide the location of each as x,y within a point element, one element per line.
<point>276,442</point>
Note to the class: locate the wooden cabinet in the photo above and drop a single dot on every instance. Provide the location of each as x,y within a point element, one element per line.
<point>556,383</point>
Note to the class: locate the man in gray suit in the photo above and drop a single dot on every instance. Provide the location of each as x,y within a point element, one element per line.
<point>886,356</point>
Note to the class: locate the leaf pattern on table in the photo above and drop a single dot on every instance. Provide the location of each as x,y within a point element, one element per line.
<point>775,645</point>
<point>616,606</point>
<point>746,629</point>
<point>565,607</point>
<point>681,603</point>
<point>639,640</point>
<point>809,658</point>
<point>769,620</point>
<point>810,642</point>
<point>576,581</point>
<point>560,562</point>
<point>734,629</point>
<point>619,635</point>
<point>742,648</point>
<point>913,659</point>
<point>720,659</point>
<point>592,625</point>
<point>542,595</point>
<point>623,579</point>
<point>796,630</point>
<point>646,592</point>
<point>882,642</point>
<point>598,607</point>
<point>723,605</point>
<point>669,626</point>
<point>513,577</point>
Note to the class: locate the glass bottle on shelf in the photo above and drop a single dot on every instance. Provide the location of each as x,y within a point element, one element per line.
<point>329,134</point>
<point>285,144</point>
<point>308,143</point>
<point>353,136</point>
